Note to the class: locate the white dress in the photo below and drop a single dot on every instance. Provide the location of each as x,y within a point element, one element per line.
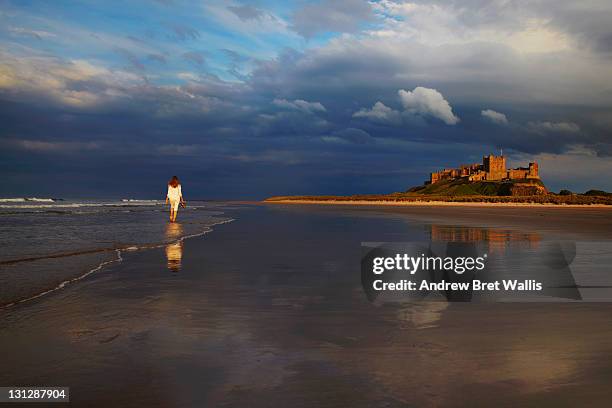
<point>174,196</point>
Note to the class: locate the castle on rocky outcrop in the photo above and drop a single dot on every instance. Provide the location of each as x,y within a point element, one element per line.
<point>492,168</point>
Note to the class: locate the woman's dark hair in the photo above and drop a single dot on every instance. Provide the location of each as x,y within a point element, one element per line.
<point>174,182</point>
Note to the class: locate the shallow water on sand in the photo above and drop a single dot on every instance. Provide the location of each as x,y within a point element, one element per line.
<point>269,311</point>
<point>47,243</point>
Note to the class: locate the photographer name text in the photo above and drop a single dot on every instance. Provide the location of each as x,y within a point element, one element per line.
<point>474,285</point>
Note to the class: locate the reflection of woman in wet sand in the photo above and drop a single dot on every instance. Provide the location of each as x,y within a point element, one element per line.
<point>174,196</point>
<point>174,255</point>
<point>174,249</point>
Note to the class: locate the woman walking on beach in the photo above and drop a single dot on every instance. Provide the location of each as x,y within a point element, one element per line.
<point>174,196</point>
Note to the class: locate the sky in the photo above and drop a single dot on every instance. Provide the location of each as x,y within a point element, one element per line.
<point>244,100</point>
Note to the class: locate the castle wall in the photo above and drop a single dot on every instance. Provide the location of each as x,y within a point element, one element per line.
<point>479,176</point>
<point>520,173</point>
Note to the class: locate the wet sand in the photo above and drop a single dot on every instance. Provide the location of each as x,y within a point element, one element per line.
<point>565,222</point>
<point>269,311</point>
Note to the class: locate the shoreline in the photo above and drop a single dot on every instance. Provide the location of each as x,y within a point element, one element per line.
<point>101,265</point>
<point>434,203</point>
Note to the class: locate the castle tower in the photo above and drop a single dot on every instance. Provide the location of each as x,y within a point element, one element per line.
<point>434,177</point>
<point>533,170</point>
<point>495,167</point>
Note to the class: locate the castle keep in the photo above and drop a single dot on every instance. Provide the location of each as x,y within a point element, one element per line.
<point>492,168</point>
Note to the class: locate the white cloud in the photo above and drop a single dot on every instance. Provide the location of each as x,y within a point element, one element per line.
<point>495,117</point>
<point>521,28</point>
<point>38,34</point>
<point>428,102</point>
<point>300,105</point>
<point>188,76</point>
<point>57,79</point>
<point>538,37</point>
<point>553,127</point>
<point>379,113</point>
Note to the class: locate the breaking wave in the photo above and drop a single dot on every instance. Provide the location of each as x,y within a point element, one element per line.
<point>27,199</point>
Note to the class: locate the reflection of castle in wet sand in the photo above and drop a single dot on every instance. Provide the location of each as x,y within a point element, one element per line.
<point>496,239</point>
<point>421,315</point>
<point>174,251</point>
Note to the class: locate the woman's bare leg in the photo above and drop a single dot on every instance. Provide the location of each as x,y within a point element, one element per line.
<point>171,214</point>
<point>174,213</point>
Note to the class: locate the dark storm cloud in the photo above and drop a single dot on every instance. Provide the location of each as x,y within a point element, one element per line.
<point>260,119</point>
<point>209,100</point>
<point>592,26</point>
<point>471,77</point>
<point>353,135</point>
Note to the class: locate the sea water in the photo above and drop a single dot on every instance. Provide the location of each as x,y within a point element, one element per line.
<point>47,243</point>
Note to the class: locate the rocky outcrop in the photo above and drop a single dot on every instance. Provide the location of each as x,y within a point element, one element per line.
<point>527,189</point>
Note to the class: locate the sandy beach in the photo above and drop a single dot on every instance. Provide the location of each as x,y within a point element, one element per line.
<point>270,308</point>
<point>563,221</point>
<point>435,203</point>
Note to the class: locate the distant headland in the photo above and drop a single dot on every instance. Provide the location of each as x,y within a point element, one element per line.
<point>492,168</point>
<point>489,182</point>
<point>489,178</point>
